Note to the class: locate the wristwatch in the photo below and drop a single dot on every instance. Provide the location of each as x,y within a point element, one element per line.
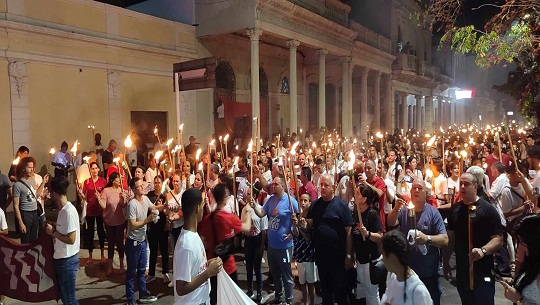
<point>429,240</point>
<point>349,256</point>
<point>484,251</point>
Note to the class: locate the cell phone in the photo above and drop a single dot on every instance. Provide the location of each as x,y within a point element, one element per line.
<point>407,178</point>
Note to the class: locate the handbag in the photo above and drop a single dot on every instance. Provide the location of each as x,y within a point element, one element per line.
<point>225,248</point>
<point>377,271</point>
<point>511,226</point>
<point>39,206</point>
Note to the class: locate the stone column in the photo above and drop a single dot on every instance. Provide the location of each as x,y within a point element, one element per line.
<point>389,102</point>
<point>322,86</point>
<point>404,111</point>
<point>346,105</point>
<point>364,101</point>
<point>377,96</point>
<point>20,107</point>
<point>429,114</point>
<point>115,107</point>
<point>440,111</point>
<point>293,87</point>
<point>418,119</point>
<point>254,35</point>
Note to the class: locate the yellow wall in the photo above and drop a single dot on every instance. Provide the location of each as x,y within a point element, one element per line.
<point>84,16</point>
<point>63,102</point>
<point>6,140</point>
<point>147,93</point>
<point>3,6</point>
<point>152,31</point>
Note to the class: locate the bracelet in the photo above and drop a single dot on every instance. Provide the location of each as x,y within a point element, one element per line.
<point>369,235</point>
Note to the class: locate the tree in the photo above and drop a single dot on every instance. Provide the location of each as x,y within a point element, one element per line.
<point>511,33</point>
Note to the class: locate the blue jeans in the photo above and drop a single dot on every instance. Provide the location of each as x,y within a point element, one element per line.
<point>434,288</point>
<point>66,274</point>
<point>136,267</point>
<point>279,261</point>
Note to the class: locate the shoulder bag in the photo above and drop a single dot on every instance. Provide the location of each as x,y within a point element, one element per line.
<point>225,248</point>
<point>39,206</point>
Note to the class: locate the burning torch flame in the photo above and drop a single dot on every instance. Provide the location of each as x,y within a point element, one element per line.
<point>74,148</point>
<point>212,142</point>
<point>293,147</point>
<point>116,160</point>
<point>250,146</point>
<point>352,159</point>
<point>181,128</point>
<point>52,151</point>
<point>200,166</point>
<point>158,155</point>
<point>431,141</point>
<point>155,130</point>
<point>463,154</point>
<point>16,161</point>
<point>226,138</point>
<point>165,187</point>
<point>169,141</point>
<point>128,142</point>
<point>199,151</point>
<point>91,127</point>
<point>86,159</point>
<point>314,145</point>
<point>379,135</point>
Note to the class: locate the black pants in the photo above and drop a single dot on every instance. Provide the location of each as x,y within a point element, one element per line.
<point>161,240</point>
<point>334,283</point>
<point>91,222</point>
<point>214,287</point>
<point>31,222</point>
<point>502,257</point>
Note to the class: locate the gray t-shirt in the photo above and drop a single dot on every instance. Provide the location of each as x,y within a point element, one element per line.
<point>27,202</point>
<point>5,185</point>
<point>138,211</point>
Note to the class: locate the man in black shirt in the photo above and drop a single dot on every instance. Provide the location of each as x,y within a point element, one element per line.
<point>107,156</point>
<point>486,240</point>
<point>331,221</point>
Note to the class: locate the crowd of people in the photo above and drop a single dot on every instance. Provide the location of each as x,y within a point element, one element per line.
<point>373,219</point>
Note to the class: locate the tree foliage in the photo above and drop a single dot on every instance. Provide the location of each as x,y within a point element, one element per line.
<point>511,34</point>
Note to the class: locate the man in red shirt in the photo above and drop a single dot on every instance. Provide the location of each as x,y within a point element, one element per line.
<point>378,185</point>
<point>307,186</point>
<point>219,226</point>
<point>492,158</point>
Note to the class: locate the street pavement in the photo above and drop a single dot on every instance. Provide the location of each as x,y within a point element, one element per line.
<point>95,288</point>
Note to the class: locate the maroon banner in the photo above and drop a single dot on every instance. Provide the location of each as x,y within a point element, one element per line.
<point>27,270</point>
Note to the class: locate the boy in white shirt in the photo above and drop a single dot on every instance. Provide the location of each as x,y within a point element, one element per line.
<point>68,238</point>
<point>192,271</point>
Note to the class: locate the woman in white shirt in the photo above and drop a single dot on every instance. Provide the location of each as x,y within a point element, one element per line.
<point>403,286</point>
<point>412,168</point>
<point>452,181</point>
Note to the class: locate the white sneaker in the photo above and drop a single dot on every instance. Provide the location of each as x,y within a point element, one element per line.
<point>166,278</point>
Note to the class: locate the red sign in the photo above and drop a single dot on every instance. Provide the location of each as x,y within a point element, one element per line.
<point>27,270</point>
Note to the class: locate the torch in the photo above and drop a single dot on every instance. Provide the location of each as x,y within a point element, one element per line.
<point>471,214</point>
<point>250,151</point>
<point>292,153</point>
<point>412,214</point>
<point>51,152</point>
<point>225,139</point>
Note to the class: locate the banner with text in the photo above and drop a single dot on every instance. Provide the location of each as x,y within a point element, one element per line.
<point>27,270</point>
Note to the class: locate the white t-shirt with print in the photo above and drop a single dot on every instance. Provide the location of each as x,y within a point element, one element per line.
<point>417,292</point>
<point>190,261</point>
<point>67,222</point>
<point>3,221</point>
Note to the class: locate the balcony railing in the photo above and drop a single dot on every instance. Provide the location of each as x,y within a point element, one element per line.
<point>333,10</point>
<point>405,62</point>
<point>371,38</point>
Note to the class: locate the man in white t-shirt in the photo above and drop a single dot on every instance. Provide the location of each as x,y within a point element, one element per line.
<point>68,238</point>
<point>192,271</point>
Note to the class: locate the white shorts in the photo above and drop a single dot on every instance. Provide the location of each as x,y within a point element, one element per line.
<point>307,272</point>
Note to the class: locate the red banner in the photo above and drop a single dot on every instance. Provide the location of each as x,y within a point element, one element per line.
<point>27,270</point>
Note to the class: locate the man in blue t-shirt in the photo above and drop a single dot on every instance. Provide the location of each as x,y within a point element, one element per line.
<point>280,237</point>
<point>431,235</point>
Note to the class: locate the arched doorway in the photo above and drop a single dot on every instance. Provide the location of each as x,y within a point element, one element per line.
<point>225,87</point>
